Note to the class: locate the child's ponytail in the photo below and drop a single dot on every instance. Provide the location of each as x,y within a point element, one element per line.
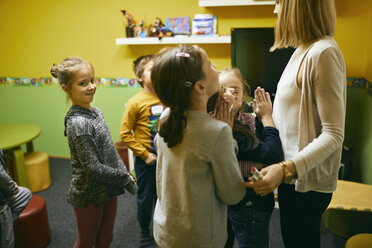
<point>173,76</point>
<point>171,129</point>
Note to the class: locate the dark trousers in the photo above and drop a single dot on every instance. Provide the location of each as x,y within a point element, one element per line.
<point>146,194</point>
<point>300,216</point>
<point>230,235</point>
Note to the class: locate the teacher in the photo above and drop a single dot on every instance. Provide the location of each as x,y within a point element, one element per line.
<point>309,112</point>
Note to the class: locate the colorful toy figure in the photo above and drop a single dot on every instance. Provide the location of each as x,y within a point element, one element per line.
<point>131,24</point>
<point>155,28</point>
<point>159,30</point>
<point>143,30</point>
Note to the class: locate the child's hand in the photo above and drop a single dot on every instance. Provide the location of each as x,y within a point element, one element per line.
<point>131,186</point>
<point>16,188</point>
<point>224,111</point>
<point>151,159</point>
<point>263,107</point>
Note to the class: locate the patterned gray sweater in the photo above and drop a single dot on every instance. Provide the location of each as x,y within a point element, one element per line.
<point>98,172</point>
<point>7,186</point>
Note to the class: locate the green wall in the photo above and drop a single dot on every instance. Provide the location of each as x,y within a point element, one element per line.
<point>46,108</point>
<point>358,133</point>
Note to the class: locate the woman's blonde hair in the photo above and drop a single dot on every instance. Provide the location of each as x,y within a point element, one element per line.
<point>303,21</point>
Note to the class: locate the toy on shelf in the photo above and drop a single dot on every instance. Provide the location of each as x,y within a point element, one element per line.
<point>130,28</point>
<point>155,28</point>
<point>159,30</point>
<point>142,30</point>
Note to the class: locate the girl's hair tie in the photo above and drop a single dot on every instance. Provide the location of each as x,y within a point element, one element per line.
<point>182,54</point>
<point>187,84</point>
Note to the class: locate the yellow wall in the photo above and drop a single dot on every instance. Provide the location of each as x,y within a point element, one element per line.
<point>39,33</point>
<point>36,33</point>
<point>351,33</point>
<point>368,52</point>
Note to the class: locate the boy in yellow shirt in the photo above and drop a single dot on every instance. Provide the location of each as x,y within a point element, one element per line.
<point>137,131</point>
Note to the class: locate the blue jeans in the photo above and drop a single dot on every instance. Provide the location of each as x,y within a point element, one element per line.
<point>250,225</point>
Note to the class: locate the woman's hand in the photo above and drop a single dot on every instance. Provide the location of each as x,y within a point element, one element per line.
<point>272,178</point>
<point>263,107</point>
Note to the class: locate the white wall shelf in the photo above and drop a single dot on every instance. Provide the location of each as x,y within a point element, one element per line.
<point>217,3</point>
<point>175,40</point>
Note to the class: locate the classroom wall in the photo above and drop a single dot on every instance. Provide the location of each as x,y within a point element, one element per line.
<point>368,47</point>
<point>46,108</point>
<point>36,34</point>
<point>358,133</point>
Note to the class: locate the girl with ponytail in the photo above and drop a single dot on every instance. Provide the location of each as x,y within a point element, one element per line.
<point>198,172</point>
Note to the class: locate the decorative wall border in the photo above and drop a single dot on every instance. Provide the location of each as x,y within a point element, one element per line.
<point>50,82</point>
<point>360,83</point>
<point>352,82</point>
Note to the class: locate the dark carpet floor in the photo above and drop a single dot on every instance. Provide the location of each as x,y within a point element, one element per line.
<point>126,232</point>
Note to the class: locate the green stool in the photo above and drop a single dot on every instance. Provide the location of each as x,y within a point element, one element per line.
<point>346,223</point>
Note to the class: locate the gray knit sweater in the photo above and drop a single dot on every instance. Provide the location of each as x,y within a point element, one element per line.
<point>98,172</point>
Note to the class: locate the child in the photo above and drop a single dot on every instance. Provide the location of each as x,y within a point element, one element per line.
<point>98,172</point>
<point>137,131</point>
<point>250,218</point>
<point>198,172</point>
<point>13,199</point>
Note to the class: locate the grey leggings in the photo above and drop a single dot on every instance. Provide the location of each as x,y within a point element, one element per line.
<point>9,212</point>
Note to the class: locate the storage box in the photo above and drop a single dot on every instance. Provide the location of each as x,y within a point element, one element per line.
<point>204,24</point>
<point>178,25</point>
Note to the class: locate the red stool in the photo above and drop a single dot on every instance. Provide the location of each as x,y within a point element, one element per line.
<point>31,229</point>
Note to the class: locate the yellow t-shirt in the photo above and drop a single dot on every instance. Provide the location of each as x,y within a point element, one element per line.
<point>138,127</point>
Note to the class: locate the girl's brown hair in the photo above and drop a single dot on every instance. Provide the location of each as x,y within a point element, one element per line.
<point>173,76</point>
<point>139,66</point>
<point>247,90</point>
<point>63,70</point>
<point>303,21</point>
